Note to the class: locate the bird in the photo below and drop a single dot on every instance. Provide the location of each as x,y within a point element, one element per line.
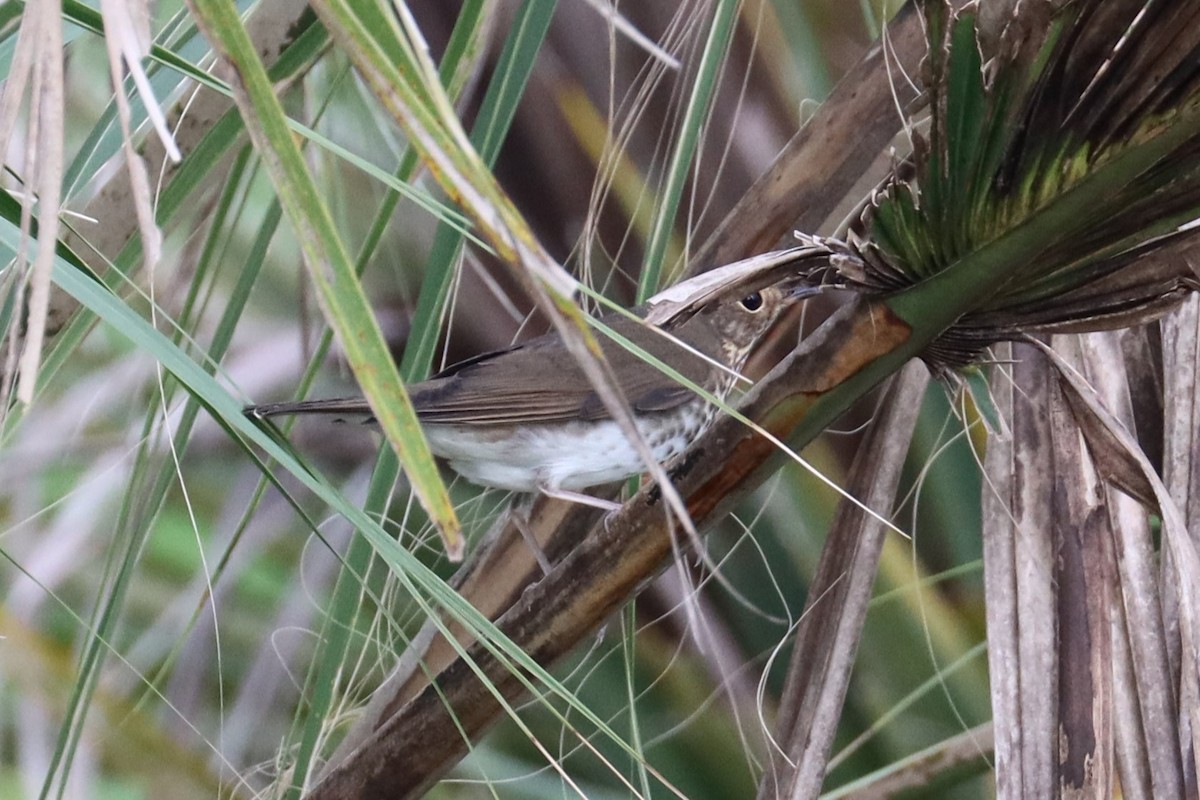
<point>527,419</point>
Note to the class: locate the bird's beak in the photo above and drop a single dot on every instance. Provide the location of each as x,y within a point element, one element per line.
<point>800,288</point>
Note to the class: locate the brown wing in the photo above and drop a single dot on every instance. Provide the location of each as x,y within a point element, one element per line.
<point>540,382</point>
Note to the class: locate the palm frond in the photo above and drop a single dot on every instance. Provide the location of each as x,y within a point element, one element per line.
<point>1095,111</point>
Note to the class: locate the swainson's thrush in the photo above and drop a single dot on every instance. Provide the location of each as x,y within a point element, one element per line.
<point>526,418</point>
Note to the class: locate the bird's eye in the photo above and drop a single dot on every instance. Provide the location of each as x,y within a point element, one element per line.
<point>752,302</point>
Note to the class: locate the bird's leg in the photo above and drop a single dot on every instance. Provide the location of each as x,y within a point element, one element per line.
<point>577,497</point>
<point>519,515</point>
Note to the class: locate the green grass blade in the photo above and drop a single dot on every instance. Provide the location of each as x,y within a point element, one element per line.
<point>495,118</point>
<point>330,267</point>
<point>694,117</point>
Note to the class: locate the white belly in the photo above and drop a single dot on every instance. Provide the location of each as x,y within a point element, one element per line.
<point>572,456</point>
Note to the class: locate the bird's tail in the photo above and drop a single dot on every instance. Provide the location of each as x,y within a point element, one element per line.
<point>343,409</point>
